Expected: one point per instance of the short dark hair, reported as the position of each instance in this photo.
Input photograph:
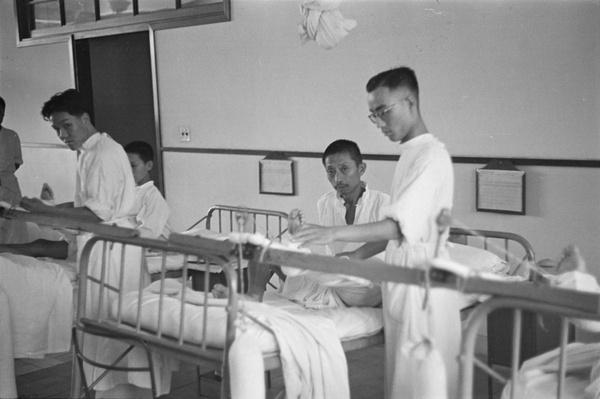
(343, 146)
(69, 101)
(141, 148)
(2, 103)
(394, 79)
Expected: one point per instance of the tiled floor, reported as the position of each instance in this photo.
(50, 378)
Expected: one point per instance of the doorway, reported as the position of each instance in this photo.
(115, 74)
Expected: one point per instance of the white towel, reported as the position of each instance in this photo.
(324, 23)
(313, 361)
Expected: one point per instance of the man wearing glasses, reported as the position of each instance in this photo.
(422, 187)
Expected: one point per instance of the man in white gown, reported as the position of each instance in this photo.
(422, 187)
(105, 192)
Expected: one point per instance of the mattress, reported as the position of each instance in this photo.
(350, 323)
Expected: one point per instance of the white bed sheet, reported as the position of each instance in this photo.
(36, 311)
(350, 323)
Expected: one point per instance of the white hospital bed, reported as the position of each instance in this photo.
(541, 300)
(36, 300)
(162, 326)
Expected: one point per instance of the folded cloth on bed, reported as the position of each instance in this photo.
(314, 289)
(322, 290)
(313, 361)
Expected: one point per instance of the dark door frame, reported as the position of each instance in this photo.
(83, 82)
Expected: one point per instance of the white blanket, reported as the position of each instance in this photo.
(308, 341)
(36, 312)
(40, 297)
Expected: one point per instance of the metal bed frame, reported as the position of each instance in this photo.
(530, 296)
(224, 219)
(209, 251)
(575, 304)
(225, 253)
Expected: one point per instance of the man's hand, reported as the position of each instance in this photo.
(308, 234)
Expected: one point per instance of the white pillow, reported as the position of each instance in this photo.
(477, 259)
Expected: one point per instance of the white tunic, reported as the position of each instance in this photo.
(151, 212)
(332, 212)
(422, 186)
(318, 290)
(106, 186)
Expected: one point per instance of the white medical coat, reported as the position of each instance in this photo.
(422, 186)
(106, 186)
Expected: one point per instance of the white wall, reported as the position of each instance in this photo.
(28, 77)
(498, 78)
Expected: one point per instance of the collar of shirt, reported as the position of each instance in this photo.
(91, 142)
(339, 202)
(417, 141)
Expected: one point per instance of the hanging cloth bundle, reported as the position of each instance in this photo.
(324, 23)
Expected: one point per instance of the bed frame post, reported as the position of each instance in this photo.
(259, 274)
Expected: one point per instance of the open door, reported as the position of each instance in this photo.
(115, 73)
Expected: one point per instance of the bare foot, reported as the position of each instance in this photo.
(571, 261)
(295, 219)
(219, 291)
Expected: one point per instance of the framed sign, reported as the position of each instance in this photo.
(276, 175)
(500, 188)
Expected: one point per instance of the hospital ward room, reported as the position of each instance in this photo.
(311, 199)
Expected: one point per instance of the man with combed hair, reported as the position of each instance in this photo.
(104, 192)
(422, 187)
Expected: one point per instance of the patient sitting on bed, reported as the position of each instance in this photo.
(538, 376)
(351, 202)
(150, 210)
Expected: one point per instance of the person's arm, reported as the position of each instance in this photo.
(39, 248)
(36, 205)
(383, 230)
(366, 250)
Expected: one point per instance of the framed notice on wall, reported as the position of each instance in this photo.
(276, 175)
(500, 188)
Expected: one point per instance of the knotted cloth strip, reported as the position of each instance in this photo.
(323, 23)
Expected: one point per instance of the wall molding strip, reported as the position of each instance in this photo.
(576, 163)
(44, 145)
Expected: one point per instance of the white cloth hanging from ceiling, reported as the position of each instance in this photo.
(324, 23)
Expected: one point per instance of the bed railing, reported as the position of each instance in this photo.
(103, 285)
(511, 247)
(225, 219)
(224, 254)
(74, 225)
(573, 304)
